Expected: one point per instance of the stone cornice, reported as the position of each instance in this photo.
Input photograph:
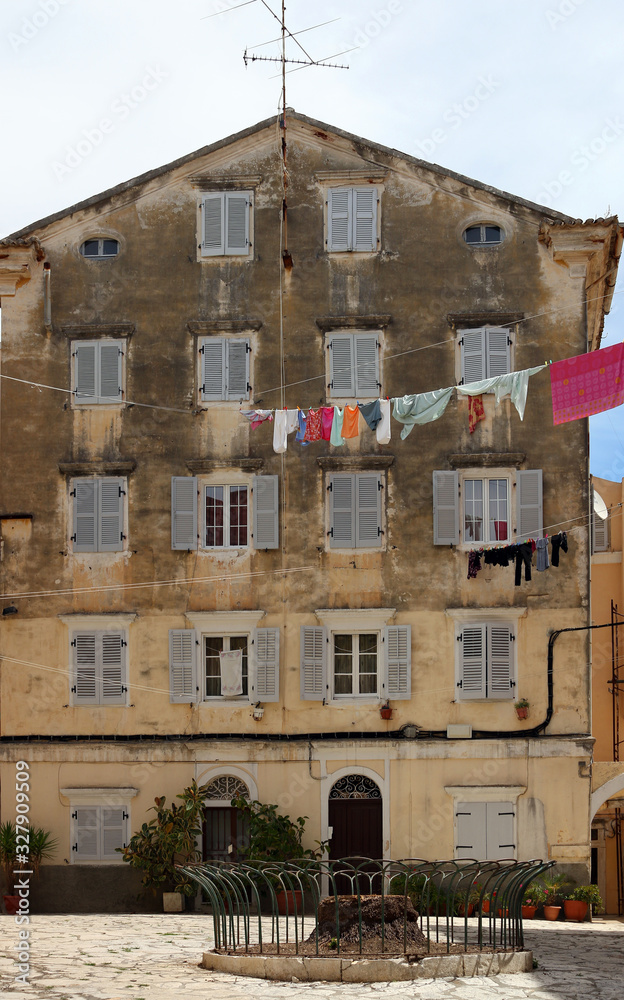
(487, 460)
(17, 261)
(202, 465)
(119, 467)
(354, 463)
(87, 331)
(205, 328)
(375, 321)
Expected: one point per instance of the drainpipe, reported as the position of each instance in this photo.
(47, 297)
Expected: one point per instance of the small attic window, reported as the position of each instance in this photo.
(483, 235)
(98, 249)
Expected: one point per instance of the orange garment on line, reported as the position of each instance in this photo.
(351, 422)
(476, 412)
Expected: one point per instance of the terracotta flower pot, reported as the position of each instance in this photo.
(386, 713)
(286, 902)
(522, 713)
(551, 912)
(485, 906)
(528, 912)
(575, 909)
(11, 904)
(461, 910)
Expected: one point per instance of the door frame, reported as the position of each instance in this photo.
(329, 780)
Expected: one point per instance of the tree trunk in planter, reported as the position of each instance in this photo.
(173, 902)
(288, 900)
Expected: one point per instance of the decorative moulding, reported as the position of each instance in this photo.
(487, 460)
(16, 262)
(224, 621)
(357, 463)
(203, 465)
(485, 793)
(468, 615)
(375, 175)
(114, 620)
(88, 331)
(376, 321)
(108, 795)
(466, 320)
(21, 517)
(205, 328)
(354, 618)
(119, 468)
(225, 182)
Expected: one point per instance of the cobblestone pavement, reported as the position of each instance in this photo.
(155, 957)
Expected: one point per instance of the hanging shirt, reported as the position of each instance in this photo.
(371, 413)
(351, 422)
(476, 412)
(280, 432)
(542, 554)
(383, 431)
(313, 426)
(421, 408)
(301, 417)
(336, 437)
(327, 419)
(231, 673)
(257, 417)
(292, 421)
(515, 384)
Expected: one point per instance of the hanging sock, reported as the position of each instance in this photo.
(421, 408)
(336, 437)
(371, 413)
(351, 422)
(515, 384)
(301, 417)
(384, 430)
(327, 419)
(476, 412)
(313, 426)
(280, 432)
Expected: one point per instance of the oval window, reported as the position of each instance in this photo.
(100, 248)
(483, 235)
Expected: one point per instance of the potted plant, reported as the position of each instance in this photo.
(41, 845)
(554, 888)
(522, 708)
(167, 841)
(532, 899)
(576, 905)
(386, 711)
(8, 859)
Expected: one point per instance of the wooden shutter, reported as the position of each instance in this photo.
(342, 511)
(110, 515)
(237, 223)
(472, 659)
(499, 661)
(338, 219)
(183, 512)
(367, 510)
(313, 663)
(113, 667)
(500, 830)
(470, 826)
(445, 508)
(85, 835)
(342, 366)
(364, 218)
(85, 686)
(114, 830)
(213, 236)
(85, 515)
(110, 357)
(473, 357)
(366, 365)
(237, 369)
(497, 350)
(600, 533)
(266, 683)
(213, 362)
(266, 512)
(398, 661)
(182, 666)
(85, 364)
(529, 504)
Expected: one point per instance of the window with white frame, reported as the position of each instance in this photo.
(224, 519)
(485, 664)
(97, 367)
(355, 663)
(355, 510)
(98, 514)
(224, 368)
(473, 508)
(99, 248)
(352, 219)
(485, 831)
(99, 671)
(353, 362)
(225, 223)
(483, 235)
(486, 510)
(484, 353)
(214, 647)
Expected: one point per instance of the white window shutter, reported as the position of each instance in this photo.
(110, 514)
(109, 389)
(113, 665)
(339, 202)
(529, 504)
(213, 221)
(85, 681)
(500, 831)
(182, 666)
(266, 683)
(85, 519)
(445, 508)
(472, 659)
(266, 512)
(473, 357)
(470, 825)
(183, 512)
(367, 511)
(85, 833)
(342, 511)
(366, 365)
(342, 366)
(114, 831)
(365, 218)
(600, 532)
(85, 369)
(398, 661)
(236, 223)
(237, 369)
(313, 663)
(213, 364)
(499, 661)
(498, 355)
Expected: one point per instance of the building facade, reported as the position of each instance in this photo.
(156, 546)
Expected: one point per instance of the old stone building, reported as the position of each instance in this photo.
(148, 530)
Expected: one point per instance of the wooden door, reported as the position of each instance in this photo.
(357, 833)
(224, 833)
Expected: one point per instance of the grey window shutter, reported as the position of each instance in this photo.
(398, 661)
(213, 236)
(445, 508)
(111, 353)
(86, 830)
(600, 531)
(237, 223)
(113, 667)
(183, 512)
(472, 653)
(114, 830)
(473, 357)
(85, 680)
(499, 661)
(110, 515)
(341, 366)
(266, 512)
(365, 218)
(85, 515)
(338, 219)
(213, 364)
(470, 827)
(500, 831)
(182, 670)
(367, 511)
(366, 365)
(529, 504)
(266, 683)
(498, 356)
(313, 663)
(342, 511)
(237, 369)
(85, 368)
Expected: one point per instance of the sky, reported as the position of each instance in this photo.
(526, 96)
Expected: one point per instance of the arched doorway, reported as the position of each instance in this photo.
(355, 815)
(224, 831)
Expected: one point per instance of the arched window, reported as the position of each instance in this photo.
(483, 235)
(355, 786)
(100, 248)
(226, 788)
